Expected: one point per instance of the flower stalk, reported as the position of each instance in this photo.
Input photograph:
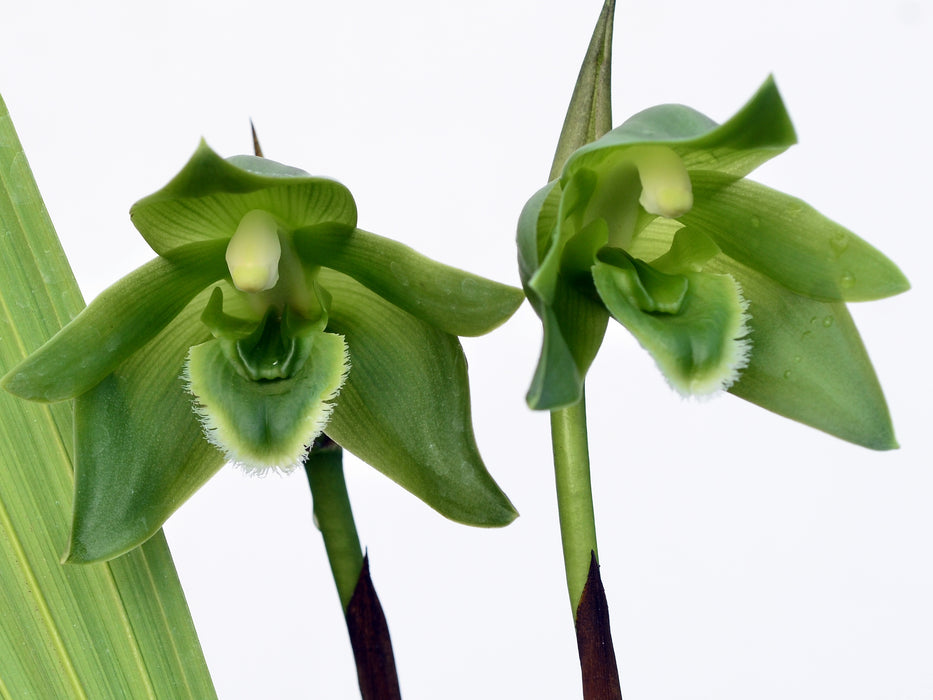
(589, 116)
(333, 515)
(366, 622)
(574, 496)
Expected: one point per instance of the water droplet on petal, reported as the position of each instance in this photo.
(839, 242)
(847, 281)
(788, 374)
(828, 321)
(756, 221)
(797, 358)
(806, 334)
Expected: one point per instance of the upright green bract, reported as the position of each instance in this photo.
(727, 283)
(267, 316)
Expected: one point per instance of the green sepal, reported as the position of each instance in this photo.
(269, 423)
(536, 229)
(809, 364)
(574, 320)
(454, 301)
(563, 223)
(760, 130)
(209, 197)
(574, 326)
(405, 408)
(789, 241)
(116, 324)
(140, 452)
(700, 348)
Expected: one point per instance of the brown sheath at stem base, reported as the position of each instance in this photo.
(594, 641)
(369, 637)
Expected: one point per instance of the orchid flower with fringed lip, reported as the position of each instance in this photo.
(727, 283)
(267, 316)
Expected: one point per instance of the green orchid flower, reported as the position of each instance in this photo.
(266, 317)
(727, 283)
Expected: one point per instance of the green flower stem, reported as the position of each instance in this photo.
(574, 495)
(334, 518)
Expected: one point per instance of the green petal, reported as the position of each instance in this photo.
(700, 348)
(808, 363)
(405, 408)
(116, 324)
(535, 229)
(784, 238)
(140, 452)
(209, 197)
(454, 301)
(574, 320)
(757, 132)
(264, 425)
(540, 244)
(574, 326)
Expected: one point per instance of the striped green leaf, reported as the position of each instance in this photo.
(119, 629)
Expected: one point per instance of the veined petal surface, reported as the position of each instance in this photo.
(454, 301)
(140, 452)
(405, 408)
(210, 196)
(759, 131)
(116, 324)
(789, 241)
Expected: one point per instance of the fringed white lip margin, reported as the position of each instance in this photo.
(226, 404)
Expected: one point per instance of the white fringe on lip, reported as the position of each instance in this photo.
(735, 358)
(314, 422)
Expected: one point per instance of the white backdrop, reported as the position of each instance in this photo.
(744, 556)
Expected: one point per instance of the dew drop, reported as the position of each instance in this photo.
(806, 334)
(828, 321)
(847, 281)
(813, 319)
(839, 242)
(797, 358)
(787, 374)
(756, 222)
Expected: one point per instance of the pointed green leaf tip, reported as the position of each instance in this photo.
(718, 277)
(224, 348)
(589, 115)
